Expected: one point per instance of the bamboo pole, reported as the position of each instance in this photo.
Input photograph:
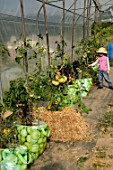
(73, 33)
(95, 14)
(84, 21)
(87, 1)
(62, 33)
(88, 16)
(37, 20)
(47, 32)
(1, 90)
(25, 58)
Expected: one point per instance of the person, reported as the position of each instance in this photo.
(104, 67)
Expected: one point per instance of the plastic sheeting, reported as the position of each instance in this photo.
(10, 16)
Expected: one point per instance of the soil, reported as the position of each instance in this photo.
(94, 152)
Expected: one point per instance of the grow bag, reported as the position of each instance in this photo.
(72, 93)
(13, 158)
(83, 85)
(67, 101)
(34, 138)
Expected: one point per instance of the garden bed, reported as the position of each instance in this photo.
(66, 125)
(94, 154)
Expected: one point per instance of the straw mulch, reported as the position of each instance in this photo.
(66, 125)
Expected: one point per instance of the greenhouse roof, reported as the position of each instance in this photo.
(84, 14)
(10, 10)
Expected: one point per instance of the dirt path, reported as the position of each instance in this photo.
(96, 154)
(98, 100)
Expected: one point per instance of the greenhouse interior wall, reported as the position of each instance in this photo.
(11, 28)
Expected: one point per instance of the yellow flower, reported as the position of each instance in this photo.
(48, 107)
(59, 99)
(67, 108)
(34, 108)
(56, 103)
(5, 131)
(8, 130)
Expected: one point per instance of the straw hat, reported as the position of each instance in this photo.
(102, 50)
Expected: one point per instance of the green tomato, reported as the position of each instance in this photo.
(54, 82)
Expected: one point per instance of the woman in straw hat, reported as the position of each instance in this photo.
(104, 67)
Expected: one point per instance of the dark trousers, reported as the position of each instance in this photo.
(103, 74)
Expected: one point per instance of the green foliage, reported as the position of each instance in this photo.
(16, 95)
(87, 55)
(87, 50)
(3, 50)
(33, 84)
(106, 122)
(56, 91)
(4, 55)
(103, 36)
(60, 96)
(104, 27)
(34, 50)
(80, 162)
(26, 92)
(111, 63)
(58, 51)
(8, 132)
(98, 165)
(83, 159)
(40, 85)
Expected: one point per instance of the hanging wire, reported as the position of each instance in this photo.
(16, 18)
(37, 19)
(71, 11)
(68, 10)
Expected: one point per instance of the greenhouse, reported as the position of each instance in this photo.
(56, 84)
